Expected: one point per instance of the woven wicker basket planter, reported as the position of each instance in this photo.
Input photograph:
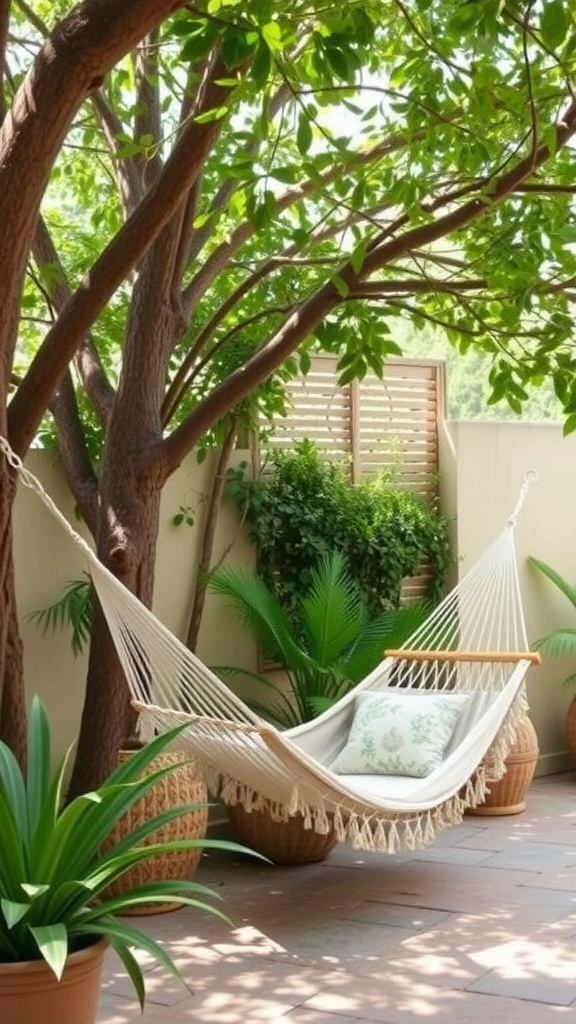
(508, 795)
(283, 842)
(181, 786)
(571, 728)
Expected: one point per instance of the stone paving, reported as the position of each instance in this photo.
(481, 925)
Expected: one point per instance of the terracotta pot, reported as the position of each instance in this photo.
(283, 842)
(181, 786)
(30, 992)
(508, 795)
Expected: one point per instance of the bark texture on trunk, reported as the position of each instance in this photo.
(127, 543)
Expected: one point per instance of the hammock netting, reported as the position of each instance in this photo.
(474, 642)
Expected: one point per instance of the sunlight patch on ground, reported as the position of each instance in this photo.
(522, 959)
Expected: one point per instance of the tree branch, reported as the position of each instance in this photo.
(80, 474)
(224, 252)
(69, 64)
(88, 364)
(147, 119)
(377, 289)
(114, 264)
(127, 175)
(301, 322)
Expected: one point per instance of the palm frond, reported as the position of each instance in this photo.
(73, 610)
(563, 586)
(333, 611)
(559, 644)
(391, 629)
(260, 612)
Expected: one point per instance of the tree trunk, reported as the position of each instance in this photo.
(13, 708)
(12, 703)
(133, 472)
(128, 530)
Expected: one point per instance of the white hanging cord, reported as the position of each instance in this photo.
(530, 477)
(33, 484)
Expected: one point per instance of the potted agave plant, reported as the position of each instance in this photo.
(56, 919)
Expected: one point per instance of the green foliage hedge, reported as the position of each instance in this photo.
(304, 505)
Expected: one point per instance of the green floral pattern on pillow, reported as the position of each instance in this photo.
(399, 733)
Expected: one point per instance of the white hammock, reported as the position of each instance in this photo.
(474, 642)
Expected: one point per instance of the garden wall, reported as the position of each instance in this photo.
(483, 480)
(482, 466)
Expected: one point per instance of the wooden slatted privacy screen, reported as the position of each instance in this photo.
(372, 424)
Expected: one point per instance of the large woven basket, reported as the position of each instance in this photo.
(283, 842)
(508, 795)
(181, 786)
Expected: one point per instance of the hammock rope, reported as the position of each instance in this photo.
(474, 642)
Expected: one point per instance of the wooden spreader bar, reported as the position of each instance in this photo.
(501, 656)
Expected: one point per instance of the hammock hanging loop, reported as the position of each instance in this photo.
(11, 458)
(530, 477)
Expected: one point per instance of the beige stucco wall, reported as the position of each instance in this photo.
(482, 466)
(46, 558)
(491, 460)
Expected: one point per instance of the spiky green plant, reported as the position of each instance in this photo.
(335, 643)
(73, 610)
(54, 872)
(561, 642)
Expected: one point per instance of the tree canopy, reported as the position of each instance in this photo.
(193, 196)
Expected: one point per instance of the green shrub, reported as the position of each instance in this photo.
(304, 506)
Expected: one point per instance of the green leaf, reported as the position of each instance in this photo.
(13, 911)
(272, 35)
(554, 23)
(216, 114)
(33, 891)
(262, 64)
(560, 644)
(304, 134)
(52, 942)
(551, 574)
(340, 285)
(132, 968)
(358, 256)
(569, 425)
(38, 765)
(15, 790)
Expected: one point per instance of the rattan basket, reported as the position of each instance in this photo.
(283, 842)
(181, 786)
(508, 795)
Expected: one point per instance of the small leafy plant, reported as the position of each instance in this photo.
(561, 642)
(53, 871)
(335, 643)
(303, 505)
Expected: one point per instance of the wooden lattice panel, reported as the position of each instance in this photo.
(320, 411)
(373, 424)
(390, 424)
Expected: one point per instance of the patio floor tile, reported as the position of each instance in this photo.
(482, 925)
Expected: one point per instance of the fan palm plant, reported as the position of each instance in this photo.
(334, 644)
(561, 642)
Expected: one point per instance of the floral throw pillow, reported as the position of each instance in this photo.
(399, 733)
